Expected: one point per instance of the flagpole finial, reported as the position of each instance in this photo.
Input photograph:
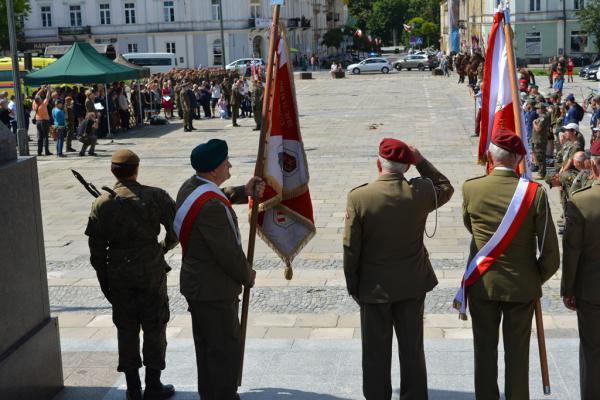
(288, 272)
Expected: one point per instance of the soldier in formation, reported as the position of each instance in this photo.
(129, 261)
(258, 94)
(387, 266)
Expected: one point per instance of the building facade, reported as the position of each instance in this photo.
(188, 28)
(543, 28)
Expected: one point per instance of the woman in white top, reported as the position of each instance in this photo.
(215, 94)
(333, 69)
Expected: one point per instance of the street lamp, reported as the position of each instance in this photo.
(222, 33)
(12, 33)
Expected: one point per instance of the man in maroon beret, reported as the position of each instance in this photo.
(387, 267)
(581, 276)
(512, 281)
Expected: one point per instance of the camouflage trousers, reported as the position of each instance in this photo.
(539, 151)
(145, 308)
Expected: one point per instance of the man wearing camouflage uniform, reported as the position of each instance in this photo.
(257, 103)
(129, 261)
(539, 138)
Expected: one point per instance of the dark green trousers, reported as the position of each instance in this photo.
(378, 321)
(588, 317)
(235, 113)
(216, 330)
(516, 320)
(145, 308)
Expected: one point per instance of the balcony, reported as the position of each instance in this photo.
(260, 23)
(74, 30)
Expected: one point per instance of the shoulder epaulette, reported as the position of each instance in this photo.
(364, 184)
(477, 177)
(580, 190)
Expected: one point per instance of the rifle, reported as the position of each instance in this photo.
(87, 185)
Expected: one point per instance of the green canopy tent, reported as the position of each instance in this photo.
(82, 64)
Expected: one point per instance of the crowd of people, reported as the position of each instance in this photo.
(70, 113)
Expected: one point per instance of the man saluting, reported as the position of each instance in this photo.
(214, 266)
(509, 218)
(387, 267)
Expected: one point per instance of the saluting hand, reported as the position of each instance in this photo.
(255, 183)
(417, 156)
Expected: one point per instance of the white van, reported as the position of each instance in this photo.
(157, 62)
(240, 65)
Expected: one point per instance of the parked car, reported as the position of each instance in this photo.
(592, 72)
(418, 61)
(585, 71)
(370, 65)
(240, 65)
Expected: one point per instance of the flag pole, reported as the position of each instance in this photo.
(539, 322)
(260, 161)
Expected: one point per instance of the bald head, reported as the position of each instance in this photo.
(579, 160)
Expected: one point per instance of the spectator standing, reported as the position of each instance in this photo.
(70, 122)
(12, 107)
(575, 112)
(58, 115)
(42, 120)
(215, 95)
(235, 102)
(167, 99)
(123, 104)
(5, 116)
(570, 68)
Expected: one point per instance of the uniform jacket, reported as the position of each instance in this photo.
(214, 267)
(517, 275)
(385, 259)
(123, 232)
(581, 258)
(236, 96)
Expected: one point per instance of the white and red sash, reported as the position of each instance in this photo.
(509, 226)
(187, 213)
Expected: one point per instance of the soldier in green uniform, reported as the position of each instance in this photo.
(123, 227)
(257, 103)
(387, 266)
(506, 293)
(186, 107)
(581, 276)
(235, 101)
(226, 90)
(539, 138)
(214, 267)
(582, 179)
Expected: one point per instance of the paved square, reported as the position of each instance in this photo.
(304, 333)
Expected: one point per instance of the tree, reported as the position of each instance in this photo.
(333, 37)
(429, 31)
(22, 9)
(589, 18)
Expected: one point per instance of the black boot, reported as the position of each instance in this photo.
(155, 390)
(134, 385)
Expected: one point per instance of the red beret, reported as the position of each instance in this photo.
(595, 150)
(395, 150)
(509, 141)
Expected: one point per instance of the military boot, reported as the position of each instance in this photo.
(134, 385)
(155, 390)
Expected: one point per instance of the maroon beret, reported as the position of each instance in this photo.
(509, 141)
(395, 150)
(595, 150)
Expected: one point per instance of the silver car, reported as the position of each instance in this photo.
(375, 64)
(418, 61)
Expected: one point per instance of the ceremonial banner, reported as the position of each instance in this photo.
(497, 102)
(285, 220)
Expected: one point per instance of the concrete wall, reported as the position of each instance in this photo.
(29, 338)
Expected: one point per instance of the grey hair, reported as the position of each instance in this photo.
(392, 166)
(580, 156)
(501, 155)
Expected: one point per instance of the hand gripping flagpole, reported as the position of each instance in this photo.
(260, 162)
(539, 323)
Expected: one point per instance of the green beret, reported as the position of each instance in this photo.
(208, 156)
(125, 157)
(540, 105)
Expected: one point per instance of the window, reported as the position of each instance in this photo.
(217, 52)
(533, 43)
(170, 47)
(534, 5)
(104, 14)
(578, 4)
(129, 13)
(254, 8)
(169, 11)
(75, 13)
(216, 11)
(155, 62)
(132, 48)
(579, 41)
(46, 16)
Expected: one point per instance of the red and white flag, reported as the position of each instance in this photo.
(497, 102)
(358, 33)
(285, 220)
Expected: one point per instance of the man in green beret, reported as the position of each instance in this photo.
(129, 261)
(214, 267)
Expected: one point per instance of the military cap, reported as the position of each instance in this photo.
(395, 150)
(595, 150)
(208, 156)
(125, 157)
(540, 105)
(531, 101)
(509, 141)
